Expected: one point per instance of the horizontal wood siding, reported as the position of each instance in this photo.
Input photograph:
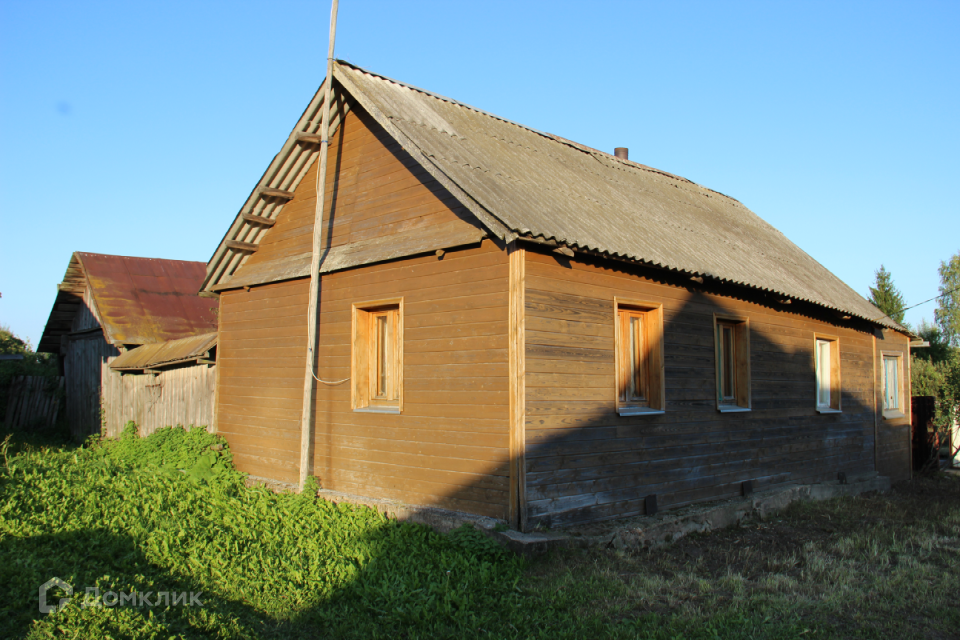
(374, 189)
(893, 440)
(449, 446)
(177, 396)
(584, 462)
(260, 356)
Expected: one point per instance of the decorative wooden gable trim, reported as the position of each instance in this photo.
(274, 190)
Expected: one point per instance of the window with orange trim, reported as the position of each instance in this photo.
(732, 342)
(378, 357)
(639, 348)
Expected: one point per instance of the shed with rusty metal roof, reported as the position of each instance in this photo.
(107, 305)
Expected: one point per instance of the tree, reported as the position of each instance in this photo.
(935, 370)
(947, 314)
(886, 297)
(11, 344)
(939, 349)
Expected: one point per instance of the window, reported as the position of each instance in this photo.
(892, 381)
(732, 338)
(639, 365)
(827, 365)
(378, 356)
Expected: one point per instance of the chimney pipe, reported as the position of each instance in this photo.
(621, 152)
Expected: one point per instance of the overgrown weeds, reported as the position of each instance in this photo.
(169, 514)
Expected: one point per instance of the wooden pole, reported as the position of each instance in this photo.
(309, 381)
(517, 389)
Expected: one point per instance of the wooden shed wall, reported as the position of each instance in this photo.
(177, 396)
(449, 447)
(87, 317)
(84, 358)
(893, 441)
(584, 462)
(261, 355)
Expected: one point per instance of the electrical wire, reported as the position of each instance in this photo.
(330, 383)
(945, 293)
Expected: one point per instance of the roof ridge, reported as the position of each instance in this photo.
(113, 255)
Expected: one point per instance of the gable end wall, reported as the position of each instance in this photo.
(449, 447)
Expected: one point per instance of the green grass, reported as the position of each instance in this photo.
(169, 513)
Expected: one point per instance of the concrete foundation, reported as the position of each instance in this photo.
(641, 532)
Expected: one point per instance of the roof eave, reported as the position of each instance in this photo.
(878, 321)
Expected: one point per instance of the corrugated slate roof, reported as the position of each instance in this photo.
(520, 182)
(540, 185)
(166, 353)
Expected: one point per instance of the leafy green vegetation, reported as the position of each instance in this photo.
(947, 314)
(168, 513)
(11, 344)
(32, 364)
(935, 370)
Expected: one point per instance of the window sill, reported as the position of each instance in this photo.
(395, 410)
(893, 415)
(640, 411)
(732, 409)
(828, 410)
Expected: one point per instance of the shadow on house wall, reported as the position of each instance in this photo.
(585, 462)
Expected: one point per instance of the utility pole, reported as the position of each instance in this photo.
(310, 378)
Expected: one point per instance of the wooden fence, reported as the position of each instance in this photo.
(33, 401)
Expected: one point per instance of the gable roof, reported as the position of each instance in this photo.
(135, 300)
(520, 182)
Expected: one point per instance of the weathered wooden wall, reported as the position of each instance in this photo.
(893, 442)
(449, 447)
(584, 462)
(261, 353)
(176, 396)
(87, 316)
(85, 356)
(373, 188)
(33, 401)
(84, 351)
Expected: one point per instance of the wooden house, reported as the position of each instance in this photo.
(111, 305)
(516, 325)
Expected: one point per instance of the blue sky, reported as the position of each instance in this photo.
(140, 128)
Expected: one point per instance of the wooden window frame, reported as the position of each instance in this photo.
(898, 412)
(652, 400)
(363, 356)
(834, 372)
(740, 363)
